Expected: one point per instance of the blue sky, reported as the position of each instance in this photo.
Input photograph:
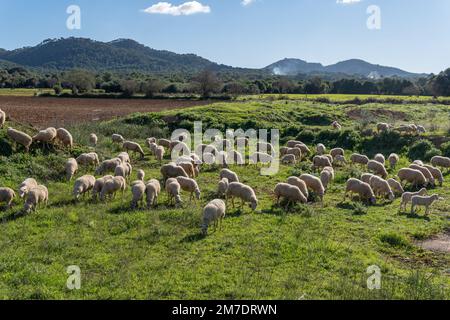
(414, 34)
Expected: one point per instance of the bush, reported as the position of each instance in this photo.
(349, 139)
(446, 149)
(306, 136)
(432, 153)
(419, 150)
(359, 209)
(394, 240)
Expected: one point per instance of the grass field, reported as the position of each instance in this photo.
(310, 251)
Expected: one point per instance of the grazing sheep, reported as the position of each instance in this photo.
(123, 170)
(288, 159)
(46, 136)
(182, 159)
(243, 192)
(153, 147)
(159, 153)
(112, 186)
(407, 196)
(134, 147)
(336, 125)
(380, 158)
(299, 183)
(408, 128)
(415, 177)
(71, 168)
(396, 186)
(214, 212)
(383, 127)
(188, 168)
(138, 189)
(293, 143)
(365, 177)
(265, 147)
(393, 160)
(259, 157)
(181, 147)
(418, 162)
(209, 158)
(337, 152)
(443, 162)
(141, 175)
(320, 162)
(108, 166)
(326, 176)
(150, 141)
(235, 157)
(26, 186)
(164, 142)
(381, 188)
(377, 168)
(421, 129)
(321, 149)
(171, 170)
(222, 159)
(314, 184)
(437, 174)
(290, 192)
(7, 195)
(423, 201)
(124, 157)
(297, 152)
(173, 189)
(65, 137)
(230, 175)
(35, 197)
(284, 150)
(98, 186)
(117, 138)
(359, 159)
(83, 185)
(88, 159)
(152, 191)
(361, 188)
(223, 187)
(20, 137)
(425, 172)
(190, 185)
(93, 139)
(339, 160)
(2, 118)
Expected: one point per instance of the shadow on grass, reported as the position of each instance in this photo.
(410, 215)
(193, 238)
(13, 216)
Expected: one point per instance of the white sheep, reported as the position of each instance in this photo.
(359, 159)
(190, 185)
(297, 152)
(65, 137)
(214, 212)
(234, 157)
(243, 192)
(407, 196)
(134, 147)
(337, 152)
(290, 192)
(2, 118)
(230, 175)
(377, 168)
(443, 162)
(164, 142)
(88, 159)
(259, 157)
(46, 136)
(424, 201)
(425, 172)
(361, 188)
(188, 168)
(265, 147)
(414, 177)
(223, 187)
(38, 195)
(383, 127)
(7, 195)
(123, 170)
(171, 170)
(418, 162)
(393, 160)
(26, 186)
(141, 175)
(326, 176)
(93, 139)
(421, 129)
(299, 183)
(152, 191)
(321, 149)
(138, 189)
(396, 186)
(336, 125)
(159, 153)
(83, 185)
(437, 174)
(70, 167)
(124, 157)
(314, 184)
(381, 188)
(365, 177)
(288, 159)
(20, 137)
(380, 158)
(112, 186)
(108, 166)
(173, 190)
(117, 138)
(339, 160)
(293, 143)
(320, 162)
(99, 184)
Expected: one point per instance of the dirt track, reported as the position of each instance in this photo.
(44, 112)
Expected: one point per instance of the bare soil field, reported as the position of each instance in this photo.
(44, 112)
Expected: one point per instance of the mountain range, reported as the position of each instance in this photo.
(124, 55)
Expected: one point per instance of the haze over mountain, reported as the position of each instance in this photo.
(129, 55)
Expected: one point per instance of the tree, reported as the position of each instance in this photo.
(152, 87)
(207, 83)
(129, 88)
(80, 81)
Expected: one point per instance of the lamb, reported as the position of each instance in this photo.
(138, 189)
(299, 184)
(393, 160)
(124, 157)
(123, 170)
(46, 136)
(437, 174)
(365, 177)
(159, 153)
(173, 189)
(243, 192)
(93, 139)
(425, 172)
(141, 175)
(326, 176)
(108, 166)
(7, 195)
(288, 159)
(383, 127)
(290, 192)
(415, 177)
(150, 141)
(259, 157)
(88, 159)
(99, 184)
(188, 168)
(164, 142)
(83, 185)
(230, 175)
(423, 201)
(321, 149)
(2, 118)
(363, 189)
(65, 137)
(407, 196)
(381, 188)
(117, 138)
(337, 152)
(152, 191)
(190, 185)
(214, 212)
(320, 162)
(112, 186)
(223, 187)
(380, 158)
(313, 183)
(377, 168)
(396, 186)
(71, 167)
(152, 146)
(26, 186)
(171, 170)
(35, 197)
(20, 137)
(359, 159)
(443, 162)
(134, 147)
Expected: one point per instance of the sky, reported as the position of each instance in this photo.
(413, 35)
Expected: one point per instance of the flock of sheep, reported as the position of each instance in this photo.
(181, 175)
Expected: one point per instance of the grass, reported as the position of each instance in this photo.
(310, 251)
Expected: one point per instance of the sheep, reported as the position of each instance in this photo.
(83, 185)
(297, 152)
(421, 129)
(425, 172)
(235, 157)
(383, 127)
(265, 147)
(117, 138)
(124, 157)
(410, 129)
(230, 175)
(71, 167)
(363, 189)
(313, 183)
(423, 201)
(173, 189)
(259, 157)
(171, 170)
(396, 186)
(152, 146)
(339, 160)
(222, 187)
(284, 150)
(359, 159)
(365, 177)
(46, 136)
(415, 177)
(380, 158)
(134, 147)
(377, 168)
(320, 162)
(290, 192)
(393, 160)
(123, 170)
(93, 139)
(190, 185)
(337, 152)
(437, 174)
(159, 153)
(108, 166)
(243, 192)
(381, 188)
(418, 162)
(7, 195)
(293, 143)
(181, 147)
(407, 196)
(336, 125)
(295, 181)
(65, 137)
(150, 141)
(223, 144)
(35, 197)
(141, 175)
(138, 189)
(214, 212)
(98, 186)
(2, 118)
(288, 159)
(222, 159)
(182, 159)
(20, 137)
(326, 177)
(188, 168)
(164, 142)
(443, 162)
(152, 191)
(112, 186)
(26, 186)
(321, 149)
(88, 159)
(209, 158)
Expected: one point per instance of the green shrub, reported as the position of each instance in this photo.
(306, 136)
(446, 149)
(419, 150)
(394, 240)
(349, 139)
(432, 153)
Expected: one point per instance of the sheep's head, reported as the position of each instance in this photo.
(423, 191)
(23, 192)
(373, 200)
(254, 204)
(391, 196)
(197, 194)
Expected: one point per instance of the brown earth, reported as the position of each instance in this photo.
(42, 112)
(440, 243)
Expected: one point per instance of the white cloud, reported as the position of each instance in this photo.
(184, 9)
(347, 1)
(247, 2)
